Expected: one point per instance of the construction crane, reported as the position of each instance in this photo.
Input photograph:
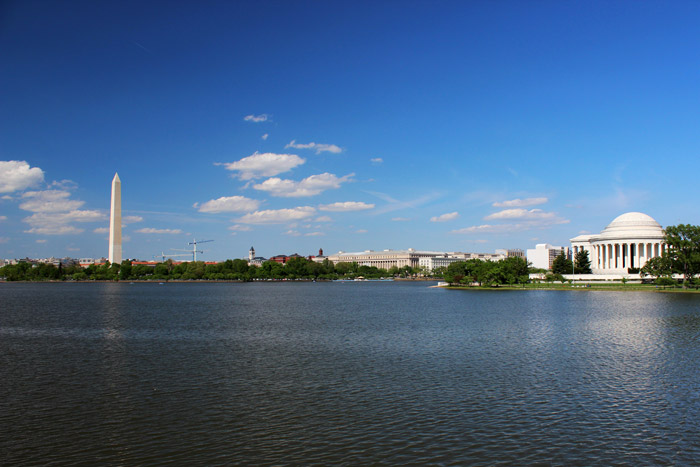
(163, 255)
(194, 249)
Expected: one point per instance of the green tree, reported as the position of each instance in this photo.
(438, 272)
(125, 270)
(328, 266)
(562, 264)
(344, 268)
(296, 267)
(240, 266)
(683, 242)
(454, 272)
(582, 263)
(658, 267)
(473, 270)
(313, 269)
(514, 270)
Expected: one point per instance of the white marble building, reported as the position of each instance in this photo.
(627, 242)
(384, 259)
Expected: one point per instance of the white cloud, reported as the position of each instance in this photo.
(101, 230)
(64, 184)
(319, 148)
(18, 175)
(400, 219)
(324, 219)
(150, 230)
(509, 228)
(445, 217)
(310, 186)
(314, 234)
(292, 233)
(346, 206)
(361, 231)
(229, 204)
(256, 118)
(55, 230)
(3, 218)
(277, 216)
(54, 212)
(49, 201)
(394, 204)
(486, 228)
(264, 137)
(240, 228)
(57, 223)
(519, 213)
(376, 160)
(520, 203)
(132, 219)
(43, 240)
(264, 165)
(528, 219)
(4, 239)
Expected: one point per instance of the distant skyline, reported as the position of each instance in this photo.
(294, 126)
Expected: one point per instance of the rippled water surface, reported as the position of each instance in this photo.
(346, 373)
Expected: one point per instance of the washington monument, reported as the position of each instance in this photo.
(115, 222)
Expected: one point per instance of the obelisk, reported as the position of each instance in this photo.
(115, 222)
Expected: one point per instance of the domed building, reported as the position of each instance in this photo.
(629, 241)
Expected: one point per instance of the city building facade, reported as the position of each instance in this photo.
(543, 255)
(384, 259)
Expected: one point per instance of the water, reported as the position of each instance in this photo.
(346, 373)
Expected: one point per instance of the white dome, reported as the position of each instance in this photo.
(633, 224)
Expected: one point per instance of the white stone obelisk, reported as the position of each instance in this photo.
(115, 222)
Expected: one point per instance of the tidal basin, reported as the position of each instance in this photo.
(346, 373)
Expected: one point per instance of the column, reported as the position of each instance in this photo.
(604, 257)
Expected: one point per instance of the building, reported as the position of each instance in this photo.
(629, 241)
(384, 259)
(543, 255)
(282, 259)
(444, 260)
(255, 260)
(511, 253)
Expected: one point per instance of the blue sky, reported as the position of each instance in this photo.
(291, 126)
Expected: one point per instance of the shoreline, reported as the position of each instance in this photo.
(582, 288)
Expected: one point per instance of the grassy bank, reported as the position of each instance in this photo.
(602, 286)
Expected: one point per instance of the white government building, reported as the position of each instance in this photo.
(429, 260)
(629, 241)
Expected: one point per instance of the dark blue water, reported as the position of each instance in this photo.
(346, 373)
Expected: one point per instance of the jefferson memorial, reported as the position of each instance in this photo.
(627, 242)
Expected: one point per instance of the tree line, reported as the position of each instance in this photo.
(507, 271)
(681, 256)
(236, 270)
